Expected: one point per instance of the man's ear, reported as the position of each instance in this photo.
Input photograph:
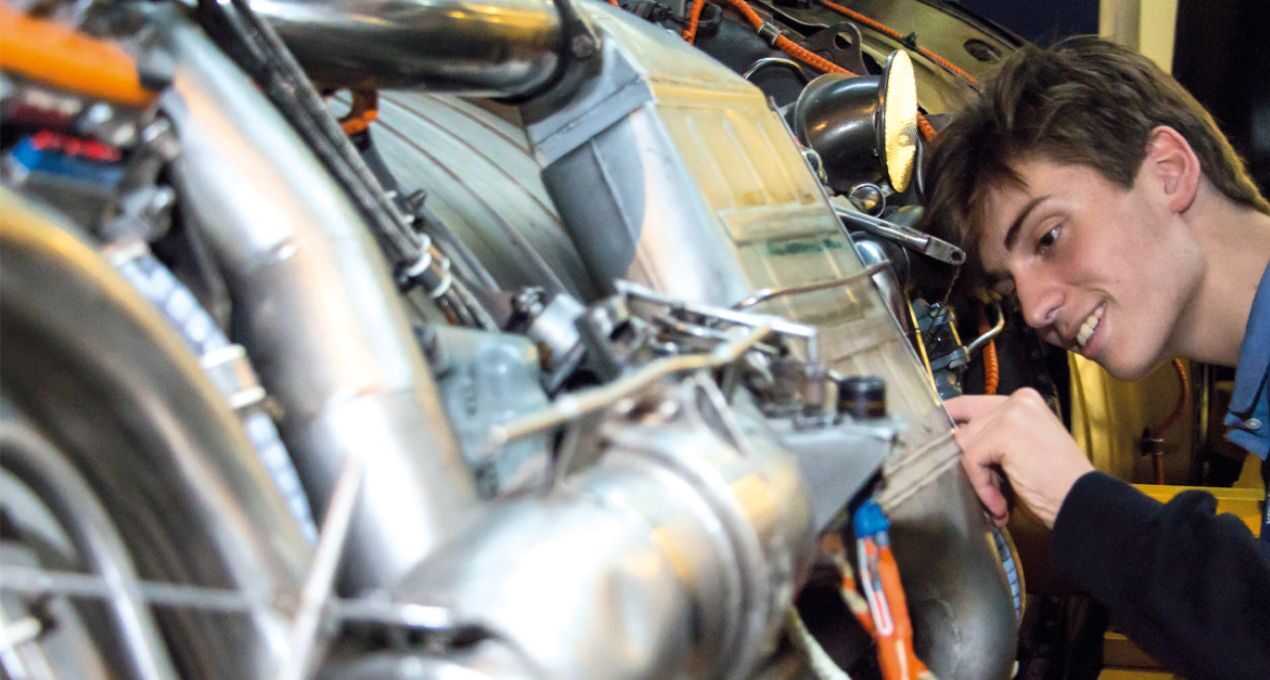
(1172, 163)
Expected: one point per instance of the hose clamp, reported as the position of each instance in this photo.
(769, 32)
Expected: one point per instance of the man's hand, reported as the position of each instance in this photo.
(1020, 436)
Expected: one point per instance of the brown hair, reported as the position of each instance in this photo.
(1084, 101)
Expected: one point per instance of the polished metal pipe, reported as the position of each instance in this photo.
(676, 555)
(482, 47)
(963, 614)
(318, 313)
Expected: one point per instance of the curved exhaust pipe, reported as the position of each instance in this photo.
(495, 48)
(318, 313)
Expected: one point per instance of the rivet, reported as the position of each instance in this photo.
(1253, 423)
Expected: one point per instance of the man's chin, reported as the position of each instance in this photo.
(1129, 371)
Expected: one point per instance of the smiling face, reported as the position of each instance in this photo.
(1100, 270)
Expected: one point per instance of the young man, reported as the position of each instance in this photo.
(1087, 183)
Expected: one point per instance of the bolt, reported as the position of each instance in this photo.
(583, 46)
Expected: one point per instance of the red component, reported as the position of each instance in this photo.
(88, 149)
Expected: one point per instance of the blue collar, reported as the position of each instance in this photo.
(1254, 354)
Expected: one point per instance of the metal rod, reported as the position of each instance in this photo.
(990, 334)
(908, 237)
(571, 406)
(808, 333)
(766, 294)
(317, 586)
(39, 465)
(36, 581)
(779, 325)
(19, 632)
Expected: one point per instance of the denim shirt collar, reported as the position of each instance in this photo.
(1254, 353)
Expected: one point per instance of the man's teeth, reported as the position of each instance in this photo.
(1091, 324)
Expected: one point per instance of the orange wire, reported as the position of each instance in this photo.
(1157, 432)
(694, 18)
(896, 36)
(65, 58)
(896, 655)
(810, 58)
(786, 45)
(1184, 385)
(991, 365)
(365, 110)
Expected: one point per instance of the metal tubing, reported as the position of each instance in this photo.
(676, 555)
(958, 596)
(317, 586)
(36, 462)
(319, 314)
(489, 47)
(571, 406)
(761, 296)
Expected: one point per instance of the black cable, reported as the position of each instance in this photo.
(258, 50)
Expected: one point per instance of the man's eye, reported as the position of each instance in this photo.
(1048, 239)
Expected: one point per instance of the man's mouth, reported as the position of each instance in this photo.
(1089, 326)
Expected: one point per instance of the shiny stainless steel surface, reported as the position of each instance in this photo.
(963, 614)
(674, 556)
(38, 464)
(888, 284)
(319, 315)
(487, 47)
(672, 171)
(134, 413)
(482, 181)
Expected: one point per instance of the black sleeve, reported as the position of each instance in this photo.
(1191, 588)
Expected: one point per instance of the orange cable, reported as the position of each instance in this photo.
(786, 45)
(896, 36)
(812, 59)
(1184, 385)
(991, 364)
(1157, 432)
(896, 655)
(65, 58)
(694, 18)
(365, 110)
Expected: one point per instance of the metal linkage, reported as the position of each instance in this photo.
(780, 326)
(572, 406)
(321, 577)
(761, 296)
(908, 237)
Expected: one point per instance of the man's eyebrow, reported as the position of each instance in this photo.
(1012, 234)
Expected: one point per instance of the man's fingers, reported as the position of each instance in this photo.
(985, 483)
(968, 408)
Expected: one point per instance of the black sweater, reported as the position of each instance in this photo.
(1191, 588)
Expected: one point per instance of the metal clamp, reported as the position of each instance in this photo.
(230, 370)
(769, 32)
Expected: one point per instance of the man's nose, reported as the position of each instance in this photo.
(1040, 299)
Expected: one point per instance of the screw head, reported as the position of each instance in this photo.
(583, 46)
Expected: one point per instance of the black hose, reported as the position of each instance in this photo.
(256, 48)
